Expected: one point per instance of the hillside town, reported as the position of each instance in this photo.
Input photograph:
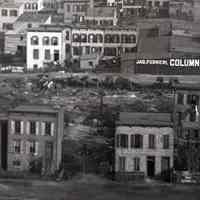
(99, 94)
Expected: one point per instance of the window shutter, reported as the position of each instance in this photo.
(36, 148)
(43, 128)
(28, 128)
(52, 129)
(22, 127)
(37, 128)
(11, 147)
(12, 127)
(27, 147)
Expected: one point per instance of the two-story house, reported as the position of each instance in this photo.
(143, 145)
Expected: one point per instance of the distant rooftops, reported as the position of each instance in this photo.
(62, 26)
(10, 5)
(40, 108)
(100, 12)
(145, 119)
(33, 17)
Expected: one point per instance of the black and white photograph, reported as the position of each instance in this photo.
(100, 99)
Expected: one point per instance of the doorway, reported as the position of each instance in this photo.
(56, 55)
(4, 144)
(48, 156)
(151, 166)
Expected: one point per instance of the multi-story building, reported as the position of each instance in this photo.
(44, 46)
(134, 8)
(9, 12)
(74, 41)
(15, 40)
(29, 133)
(37, 5)
(105, 16)
(144, 144)
(145, 8)
(74, 10)
(182, 10)
(187, 126)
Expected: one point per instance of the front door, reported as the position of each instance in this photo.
(48, 156)
(151, 166)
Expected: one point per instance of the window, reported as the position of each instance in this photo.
(34, 40)
(47, 54)
(17, 127)
(4, 12)
(68, 8)
(35, 66)
(29, 26)
(122, 140)
(180, 98)
(33, 127)
(16, 163)
(54, 41)
(179, 116)
(76, 38)
(110, 51)
(99, 38)
(122, 164)
(192, 116)
(7, 26)
(152, 144)
(92, 38)
(132, 39)
(165, 163)
(77, 51)
(157, 3)
(34, 6)
(33, 147)
(67, 35)
(136, 141)
(36, 54)
(165, 141)
(107, 38)
(166, 4)
(48, 128)
(13, 13)
(150, 3)
(46, 40)
(83, 38)
(136, 164)
(193, 99)
(17, 146)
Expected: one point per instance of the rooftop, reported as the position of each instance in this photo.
(59, 27)
(145, 119)
(42, 108)
(10, 5)
(100, 12)
(33, 17)
(187, 86)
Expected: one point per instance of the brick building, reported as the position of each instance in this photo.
(187, 126)
(144, 144)
(31, 132)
